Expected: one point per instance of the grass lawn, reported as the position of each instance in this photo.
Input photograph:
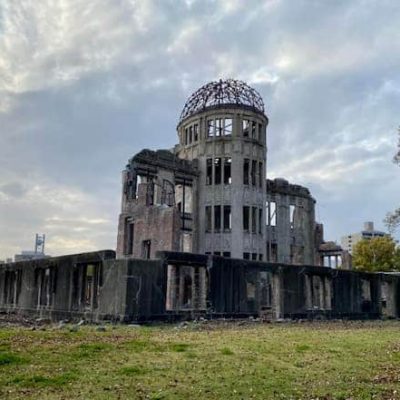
(340, 360)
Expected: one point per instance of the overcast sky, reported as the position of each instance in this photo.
(85, 84)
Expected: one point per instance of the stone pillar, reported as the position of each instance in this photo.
(321, 293)
(307, 283)
(328, 293)
(203, 288)
(171, 288)
(277, 298)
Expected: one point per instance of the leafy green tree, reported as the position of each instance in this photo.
(376, 254)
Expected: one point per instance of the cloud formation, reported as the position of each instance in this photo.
(86, 84)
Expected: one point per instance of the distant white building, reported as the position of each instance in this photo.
(27, 255)
(37, 254)
(348, 242)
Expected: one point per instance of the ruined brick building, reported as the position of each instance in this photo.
(203, 232)
(210, 195)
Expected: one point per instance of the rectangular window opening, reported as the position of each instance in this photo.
(217, 218)
(210, 128)
(271, 213)
(254, 130)
(226, 254)
(246, 171)
(208, 219)
(228, 127)
(219, 127)
(146, 249)
(130, 241)
(209, 170)
(228, 171)
(246, 218)
(245, 127)
(227, 218)
(292, 209)
(260, 220)
(190, 134)
(196, 132)
(246, 256)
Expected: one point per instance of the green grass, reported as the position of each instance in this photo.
(212, 361)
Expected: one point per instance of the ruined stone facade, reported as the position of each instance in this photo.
(203, 232)
(215, 183)
(157, 202)
(96, 286)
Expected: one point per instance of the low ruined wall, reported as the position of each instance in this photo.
(95, 286)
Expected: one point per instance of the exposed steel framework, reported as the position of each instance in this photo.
(222, 92)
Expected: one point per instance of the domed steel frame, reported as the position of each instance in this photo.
(222, 92)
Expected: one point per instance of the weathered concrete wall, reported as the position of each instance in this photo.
(158, 207)
(238, 288)
(95, 286)
(146, 290)
(237, 186)
(290, 223)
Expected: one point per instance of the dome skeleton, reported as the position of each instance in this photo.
(222, 92)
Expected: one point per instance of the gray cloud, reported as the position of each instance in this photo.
(86, 84)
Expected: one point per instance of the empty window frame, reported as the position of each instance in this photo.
(196, 132)
(146, 249)
(246, 171)
(246, 218)
(254, 130)
(253, 172)
(260, 174)
(245, 128)
(210, 128)
(45, 280)
(227, 170)
(217, 253)
(228, 127)
(271, 213)
(226, 254)
(260, 220)
(217, 218)
(227, 218)
(209, 171)
(254, 219)
(190, 134)
(130, 232)
(217, 170)
(254, 256)
(208, 219)
(260, 132)
(186, 138)
(246, 256)
(219, 127)
(292, 209)
(260, 257)
(90, 286)
(272, 252)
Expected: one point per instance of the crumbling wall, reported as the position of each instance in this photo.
(96, 286)
(158, 208)
(290, 223)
